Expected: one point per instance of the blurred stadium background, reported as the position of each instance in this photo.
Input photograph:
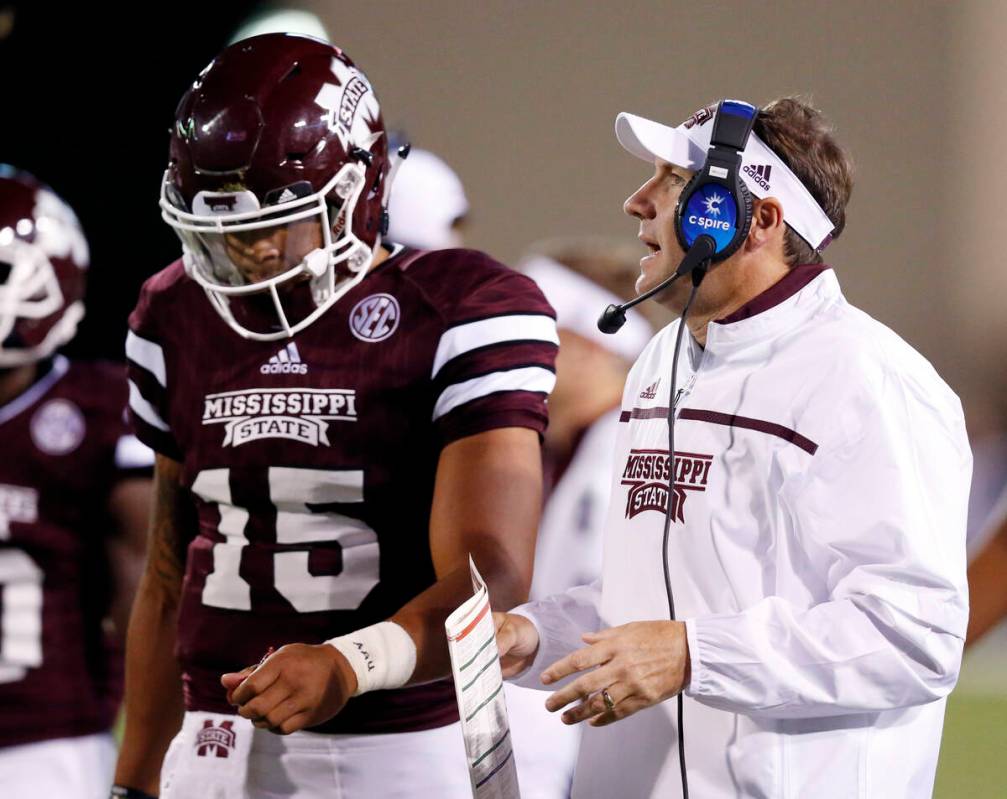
(520, 98)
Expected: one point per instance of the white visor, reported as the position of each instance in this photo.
(761, 169)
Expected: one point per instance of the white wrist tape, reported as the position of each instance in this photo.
(383, 656)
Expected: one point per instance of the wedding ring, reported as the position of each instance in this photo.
(609, 703)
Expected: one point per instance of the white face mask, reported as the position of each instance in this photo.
(233, 247)
(29, 289)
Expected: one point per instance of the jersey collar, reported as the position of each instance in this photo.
(36, 391)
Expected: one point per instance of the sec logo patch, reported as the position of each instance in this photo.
(57, 428)
(375, 318)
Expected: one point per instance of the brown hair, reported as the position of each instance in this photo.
(802, 138)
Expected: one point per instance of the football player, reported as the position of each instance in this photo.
(340, 422)
(74, 497)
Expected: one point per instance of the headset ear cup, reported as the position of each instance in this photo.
(683, 200)
(744, 218)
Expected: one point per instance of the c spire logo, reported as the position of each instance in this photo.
(712, 204)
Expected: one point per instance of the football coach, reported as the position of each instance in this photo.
(783, 600)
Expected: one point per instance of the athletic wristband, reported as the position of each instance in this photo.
(122, 792)
(383, 656)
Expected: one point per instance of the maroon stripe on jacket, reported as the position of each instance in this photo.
(770, 428)
(729, 420)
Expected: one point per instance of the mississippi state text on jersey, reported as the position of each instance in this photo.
(65, 443)
(312, 460)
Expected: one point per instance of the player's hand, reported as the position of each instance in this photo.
(296, 687)
(639, 664)
(517, 642)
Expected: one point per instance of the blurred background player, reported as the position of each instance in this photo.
(427, 206)
(591, 371)
(987, 581)
(339, 425)
(74, 486)
(578, 275)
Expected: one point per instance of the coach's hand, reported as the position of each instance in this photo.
(638, 664)
(517, 642)
(298, 686)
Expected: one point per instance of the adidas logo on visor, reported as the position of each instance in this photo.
(286, 362)
(760, 174)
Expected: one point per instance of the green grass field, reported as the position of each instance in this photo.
(973, 762)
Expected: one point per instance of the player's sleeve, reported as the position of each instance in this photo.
(881, 514)
(560, 620)
(148, 379)
(495, 361)
(130, 456)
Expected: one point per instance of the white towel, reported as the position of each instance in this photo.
(208, 758)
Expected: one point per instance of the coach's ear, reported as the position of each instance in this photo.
(768, 227)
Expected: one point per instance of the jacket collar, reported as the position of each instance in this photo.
(784, 305)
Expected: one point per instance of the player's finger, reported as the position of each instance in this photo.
(233, 679)
(580, 689)
(260, 706)
(285, 710)
(585, 658)
(296, 722)
(257, 682)
(499, 620)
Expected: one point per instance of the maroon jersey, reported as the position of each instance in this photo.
(312, 462)
(65, 443)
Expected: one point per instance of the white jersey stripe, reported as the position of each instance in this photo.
(148, 355)
(131, 453)
(144, 409)
(314, 486)
(529, 378)
(458, 340)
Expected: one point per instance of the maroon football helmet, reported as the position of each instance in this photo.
(277, 179)
(43, 262)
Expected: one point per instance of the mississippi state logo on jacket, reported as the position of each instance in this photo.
(646, 477)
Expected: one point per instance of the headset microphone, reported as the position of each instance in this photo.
(614, 316)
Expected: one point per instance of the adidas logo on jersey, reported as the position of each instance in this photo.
(650, 391)
(286, 362)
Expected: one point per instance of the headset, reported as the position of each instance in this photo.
(716, 202)
(714, 211)
(712, 220)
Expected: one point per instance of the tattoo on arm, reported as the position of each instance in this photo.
(170, 525)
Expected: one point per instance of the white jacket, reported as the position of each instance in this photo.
(818, 558)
